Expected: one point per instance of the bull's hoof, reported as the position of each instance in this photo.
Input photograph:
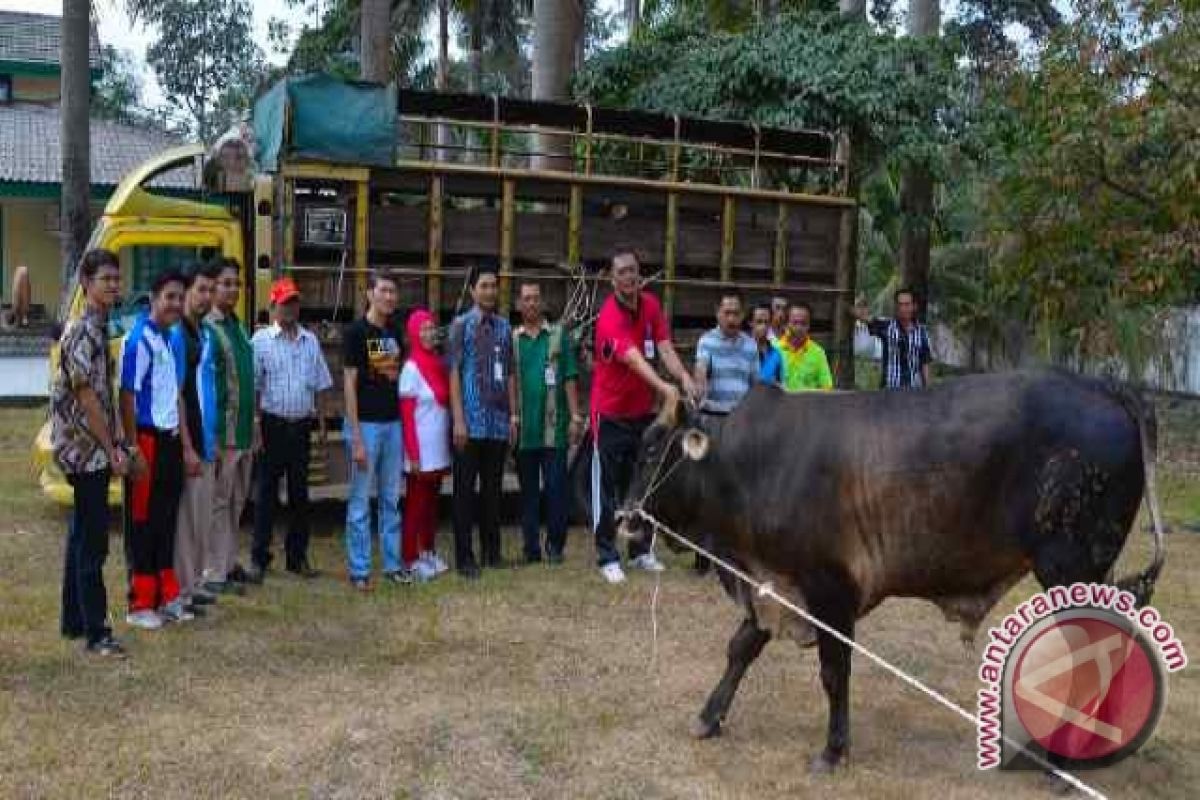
(702, 729)
(826, 762)
(1056, 785)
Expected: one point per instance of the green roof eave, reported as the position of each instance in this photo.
(35, 190)
(39, 69)
(46, 191)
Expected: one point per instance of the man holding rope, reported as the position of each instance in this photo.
(631, 335)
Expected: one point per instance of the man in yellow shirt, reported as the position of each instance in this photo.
(805, 367)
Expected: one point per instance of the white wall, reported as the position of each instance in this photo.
(25, 377)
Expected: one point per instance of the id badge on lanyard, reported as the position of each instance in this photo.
(551, 375)
(648, 344)
(497, 367)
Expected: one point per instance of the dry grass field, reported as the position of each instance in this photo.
(534, 682)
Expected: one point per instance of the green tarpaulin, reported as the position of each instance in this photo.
(321, 117)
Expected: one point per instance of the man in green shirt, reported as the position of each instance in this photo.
(235, 428)
(805, 367)
(550, 418)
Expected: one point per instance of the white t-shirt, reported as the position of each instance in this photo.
(433, 419)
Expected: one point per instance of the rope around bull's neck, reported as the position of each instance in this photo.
(767, 590)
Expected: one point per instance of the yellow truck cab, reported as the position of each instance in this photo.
(149, 232)
(426, 185)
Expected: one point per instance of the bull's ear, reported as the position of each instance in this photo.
(695, 444)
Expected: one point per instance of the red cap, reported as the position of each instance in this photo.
(284, 290)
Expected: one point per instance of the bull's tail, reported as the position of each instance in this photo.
(1142, 411)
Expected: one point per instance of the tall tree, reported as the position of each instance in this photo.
(76, 219)
(633, 17)
(375, 39)
(916, 187)
(204, 57)
(557, 32)
(118, 93)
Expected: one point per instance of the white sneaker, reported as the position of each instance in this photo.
(649, 562)
(146, 620)
(613, 573)
(175, 611)
(422, 571)
(439, 566)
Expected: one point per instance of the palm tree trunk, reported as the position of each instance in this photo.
(916, 187)
(75, 221)
(557, 29)
(853, 8)
(475, 73)
(441, 78)
(475, 49)
(375, 38)
(633, 17)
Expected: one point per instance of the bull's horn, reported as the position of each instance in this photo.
(695, 444)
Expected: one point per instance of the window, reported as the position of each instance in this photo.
(140, 265)
(6, 89)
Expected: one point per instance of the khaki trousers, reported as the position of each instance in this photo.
(229, 500)
(193, 528)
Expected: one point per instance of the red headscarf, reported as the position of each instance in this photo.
(430, 364)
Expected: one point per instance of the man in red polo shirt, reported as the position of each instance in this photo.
(631, 335)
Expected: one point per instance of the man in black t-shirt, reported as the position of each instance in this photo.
(372, 432)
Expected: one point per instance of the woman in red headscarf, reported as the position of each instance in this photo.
(425, 418)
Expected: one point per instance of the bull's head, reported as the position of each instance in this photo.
(665, 482)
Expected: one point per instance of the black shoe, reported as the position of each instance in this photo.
(304, 570)
(202, 597)
(255, 575)
(195, 610)
(361, 584)
(237, 574)
(554, 558)
(469, 572)
(224, 587)
(536, 558)
(108, 647)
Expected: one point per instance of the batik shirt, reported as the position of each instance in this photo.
(83, 361)
(481, 354)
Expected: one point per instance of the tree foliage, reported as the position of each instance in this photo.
(1092, 213)
(801, 70)
(205, 58)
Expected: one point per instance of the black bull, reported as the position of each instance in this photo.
(951, 495)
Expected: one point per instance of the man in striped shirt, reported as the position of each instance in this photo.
(727, 365)
(726, 359)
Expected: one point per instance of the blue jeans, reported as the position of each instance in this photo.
(385, 457)
(548, 465)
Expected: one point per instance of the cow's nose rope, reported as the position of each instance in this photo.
(765, 589)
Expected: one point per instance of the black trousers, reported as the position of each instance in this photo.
(84, 599)
(481, 459)
(616, 448)
(285, 454)
(543, 476)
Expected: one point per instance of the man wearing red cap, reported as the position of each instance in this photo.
(289, 370)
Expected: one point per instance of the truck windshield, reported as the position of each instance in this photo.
(140, 265)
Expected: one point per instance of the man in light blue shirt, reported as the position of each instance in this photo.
(726, 359)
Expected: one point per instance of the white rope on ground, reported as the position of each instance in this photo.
(767, 590)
